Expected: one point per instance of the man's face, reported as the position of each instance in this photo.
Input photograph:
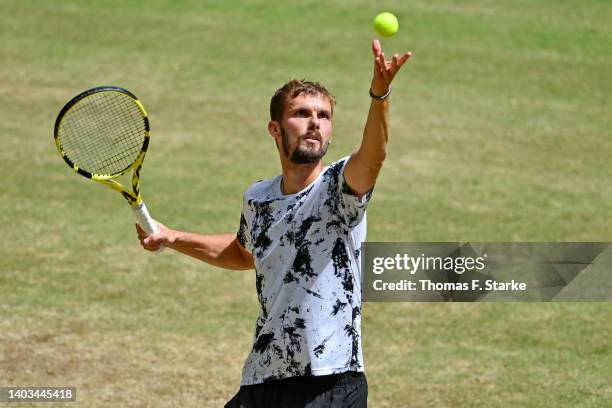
(306, 128)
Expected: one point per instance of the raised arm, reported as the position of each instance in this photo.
(364, 165)
(222, 250)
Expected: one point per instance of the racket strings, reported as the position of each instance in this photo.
(104, 142)
(103, 133)
(111, 123)
(89, 146)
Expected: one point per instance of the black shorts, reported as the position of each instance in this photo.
(346, 390)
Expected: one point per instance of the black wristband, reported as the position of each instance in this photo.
(380, 97)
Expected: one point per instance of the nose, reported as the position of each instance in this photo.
(314, 121)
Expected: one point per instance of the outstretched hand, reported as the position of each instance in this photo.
(385, 71)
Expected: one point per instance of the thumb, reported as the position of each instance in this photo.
(152, 239)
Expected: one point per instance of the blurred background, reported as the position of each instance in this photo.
(501, 131)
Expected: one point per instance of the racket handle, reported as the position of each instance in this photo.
(143, 218)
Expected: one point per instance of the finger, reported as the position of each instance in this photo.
(404, 58)
(387, 74)
(376, 47)
(381, 64)
(150, 240)
(141, 233)
(154, 247)
(145, 245)
(377, 65)
(393, 67)
(394, 62)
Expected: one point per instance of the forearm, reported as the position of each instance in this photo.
(373, 149)
(364, 165)
(219, 249)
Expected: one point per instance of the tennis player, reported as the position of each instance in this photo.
(302, 232)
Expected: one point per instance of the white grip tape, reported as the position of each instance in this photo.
(143, 218)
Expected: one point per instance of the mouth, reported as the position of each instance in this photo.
(312, 137)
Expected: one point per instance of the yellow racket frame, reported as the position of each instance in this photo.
(133, 197)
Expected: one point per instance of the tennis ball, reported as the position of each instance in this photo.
(386, 24)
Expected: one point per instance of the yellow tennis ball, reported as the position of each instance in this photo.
(386, 24)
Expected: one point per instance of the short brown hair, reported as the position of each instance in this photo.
(293, 89)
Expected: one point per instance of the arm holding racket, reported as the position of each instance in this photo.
(222, 250)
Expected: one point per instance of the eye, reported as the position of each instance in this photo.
(301, 113)
(324, 115)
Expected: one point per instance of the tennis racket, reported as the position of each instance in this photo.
(102, 134)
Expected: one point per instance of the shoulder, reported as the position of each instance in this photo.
(333, 171)
(262, 190)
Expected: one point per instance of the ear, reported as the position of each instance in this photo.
(274, 129)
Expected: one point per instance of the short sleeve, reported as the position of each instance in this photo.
(243, 235)
(352, 207)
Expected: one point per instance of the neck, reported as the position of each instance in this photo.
(297, 177)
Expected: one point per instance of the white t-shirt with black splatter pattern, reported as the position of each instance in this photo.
(306, 248)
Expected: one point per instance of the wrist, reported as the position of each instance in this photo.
(171, 238)
(379, 94)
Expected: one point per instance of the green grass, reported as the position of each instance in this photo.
(500, 132)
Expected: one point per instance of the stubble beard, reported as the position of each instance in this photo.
(301, 154)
